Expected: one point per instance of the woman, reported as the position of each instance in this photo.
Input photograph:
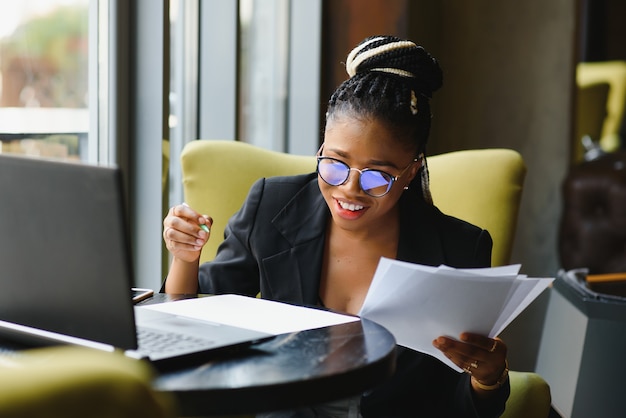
(317, 238)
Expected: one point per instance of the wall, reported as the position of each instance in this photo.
(508, 83)
(345, 24)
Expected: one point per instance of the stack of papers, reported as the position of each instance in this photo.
(419, 303)
(261, 315)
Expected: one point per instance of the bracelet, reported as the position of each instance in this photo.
(499, 382)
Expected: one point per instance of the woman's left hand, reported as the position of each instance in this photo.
(482, 357)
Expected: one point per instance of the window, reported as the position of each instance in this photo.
(279, 74)
(247, 71)
(183, 93)
(264, 59)
(74, 84)
(46, 92)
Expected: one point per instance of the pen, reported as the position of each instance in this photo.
(204, 227)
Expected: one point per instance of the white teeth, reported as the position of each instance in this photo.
(350, 206)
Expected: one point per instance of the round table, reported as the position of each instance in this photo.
(288, 371)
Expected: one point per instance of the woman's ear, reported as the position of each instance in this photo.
(415, 168)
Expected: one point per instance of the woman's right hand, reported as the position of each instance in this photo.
(183, 234)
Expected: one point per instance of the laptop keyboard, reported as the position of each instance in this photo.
(154, 341)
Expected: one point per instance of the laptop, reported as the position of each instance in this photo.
(66, 273)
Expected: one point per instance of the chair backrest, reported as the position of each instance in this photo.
(613, 73)
(482, 187)
(217, 175)
(591, 112)
(591, 231)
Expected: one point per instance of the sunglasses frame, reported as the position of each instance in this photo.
(393, 178)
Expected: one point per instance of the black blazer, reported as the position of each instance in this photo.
(275, 243)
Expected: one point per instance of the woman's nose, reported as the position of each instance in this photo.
(354, 180)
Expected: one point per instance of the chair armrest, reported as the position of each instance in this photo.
(530, 396)
(73, 382)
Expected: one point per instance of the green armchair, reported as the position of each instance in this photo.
(480, 186)
(70, 382)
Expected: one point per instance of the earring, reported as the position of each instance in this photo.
(406, 187)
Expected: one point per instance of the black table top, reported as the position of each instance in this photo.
(291, 370)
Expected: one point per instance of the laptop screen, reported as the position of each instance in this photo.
(64, 256)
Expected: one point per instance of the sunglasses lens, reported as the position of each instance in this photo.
(375, 183)
(333, 172)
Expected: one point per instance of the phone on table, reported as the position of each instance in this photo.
(139, 294)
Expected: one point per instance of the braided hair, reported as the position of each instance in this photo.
(391, 80)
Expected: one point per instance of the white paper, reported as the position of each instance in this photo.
(420, 303)
(253, 313)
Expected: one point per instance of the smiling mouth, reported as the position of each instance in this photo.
(350, 206)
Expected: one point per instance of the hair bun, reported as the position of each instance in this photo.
(392, 55)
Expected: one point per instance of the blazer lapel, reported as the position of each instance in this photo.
(302, 223)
